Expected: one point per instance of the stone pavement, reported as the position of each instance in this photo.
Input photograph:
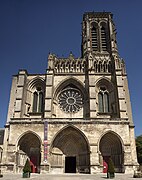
(67, 177)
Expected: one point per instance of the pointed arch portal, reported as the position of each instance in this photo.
(30, 145)
(70, 150)
(111, 146)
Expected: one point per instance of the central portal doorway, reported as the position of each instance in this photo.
(70, 164)
(70, 150)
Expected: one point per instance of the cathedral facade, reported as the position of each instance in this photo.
(77, 115)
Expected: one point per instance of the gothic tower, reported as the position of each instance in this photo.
(78, 114)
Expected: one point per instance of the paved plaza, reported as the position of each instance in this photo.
(67, 177)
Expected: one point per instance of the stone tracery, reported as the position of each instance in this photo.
(70, 100)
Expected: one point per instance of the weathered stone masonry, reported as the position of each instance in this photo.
(84, 104)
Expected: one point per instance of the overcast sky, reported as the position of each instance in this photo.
(30, 29)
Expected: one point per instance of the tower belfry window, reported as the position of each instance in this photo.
(103, 39)
(38, 100)
(94, 39)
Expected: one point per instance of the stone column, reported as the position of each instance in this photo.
(94, 159)
(120, 87)
(21, 80)
(128, 159)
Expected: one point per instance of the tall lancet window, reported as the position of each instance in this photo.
(103, 100)
(94, 38)
(35, 100)
(38, 100)
(103, 39)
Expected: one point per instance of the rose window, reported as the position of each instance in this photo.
(70, 100)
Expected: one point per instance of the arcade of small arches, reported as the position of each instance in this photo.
(101, 64)
(70, 151)
(70, 66)
(79, 66)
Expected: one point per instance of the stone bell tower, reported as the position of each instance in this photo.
(108, 84)
(98, 33)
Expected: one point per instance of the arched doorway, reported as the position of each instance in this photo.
(70, 150)
(111, 146)
(30, 145)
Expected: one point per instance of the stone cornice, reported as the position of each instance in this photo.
(69, 121)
